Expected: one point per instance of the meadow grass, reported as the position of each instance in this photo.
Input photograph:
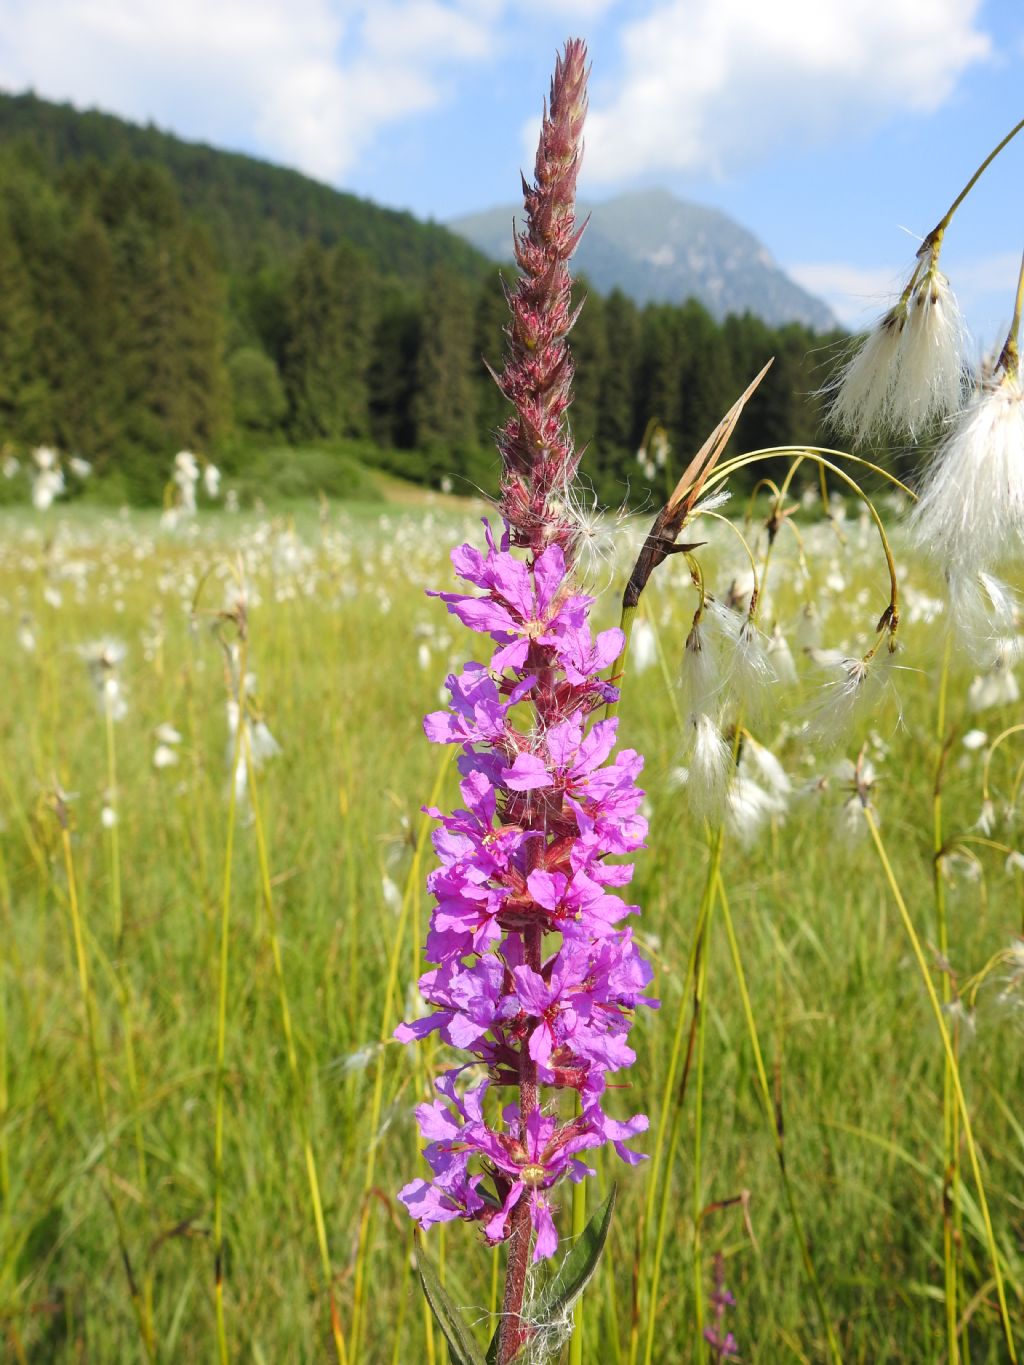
(111, 1163)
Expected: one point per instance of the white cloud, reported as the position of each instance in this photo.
(308, 82)
(984, 286)
(856, 294)
(708, 85)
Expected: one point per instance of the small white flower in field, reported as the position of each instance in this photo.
(231, 500)
(751, 674)
(103, 658)
(766, 767)
(165, 733)
(360, 1059)
(997, 687)
(856, 686)
(392, 895)
(47, 486)
(781, 657)
(909, 372)
(79, 467)
(423, 655)
(960, 865)
(1014, 862)
(108, 817)
(263, 744)
(859, 780)
(10, 466)
(984, 614)
(186, 464)
(962, 1019)
(211, 480)
(849, 823)
(748, 807)
(114, 702)
(643, 648)
(700, 678)
(164, 756)
(53, 597)
(808, 630)
(447, 485)
(975, 739)
(27, 635)
(711, 767)
(46, 458)
(970, 513)
(986, 821)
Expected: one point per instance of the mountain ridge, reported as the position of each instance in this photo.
(657, 248)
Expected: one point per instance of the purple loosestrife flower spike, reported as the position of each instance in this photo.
(536, 444)
(534, 971)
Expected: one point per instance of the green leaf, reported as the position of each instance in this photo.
(573, 1275)
(464, 1350)
(579, 1265)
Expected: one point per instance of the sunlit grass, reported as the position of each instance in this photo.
(348, 653)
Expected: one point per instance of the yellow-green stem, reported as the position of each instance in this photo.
(972, 1151)
(387, 1018)
(296, 1088)
(113, 834)
(950, 1162)
(766, 1095)
(142, 1318)
(222, 1022)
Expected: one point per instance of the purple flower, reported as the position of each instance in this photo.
(534, 979)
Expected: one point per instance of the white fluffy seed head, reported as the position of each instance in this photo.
(928, 382)
(853, 690)
(749, 807)
(700, 678)
(996, 687)
(983, 616)
(970, 513)
(766, 768)
(781, 657)
(710, 768)
(909, 372)
(859, 398)
(751, 674)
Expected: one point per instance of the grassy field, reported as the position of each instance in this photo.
(114, 897)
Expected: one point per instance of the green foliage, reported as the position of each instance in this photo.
(159, 296)
(334, 633)
(464, 1350)
(292, 473)
(257, 394)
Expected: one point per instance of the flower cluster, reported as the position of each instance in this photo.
(536, 975)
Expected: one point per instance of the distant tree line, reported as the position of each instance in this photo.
(125, 335)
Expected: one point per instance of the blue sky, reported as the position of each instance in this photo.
(837, 130)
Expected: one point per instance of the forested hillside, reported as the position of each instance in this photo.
(155, 294)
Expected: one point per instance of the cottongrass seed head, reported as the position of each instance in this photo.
(909, 372)
(970, 513)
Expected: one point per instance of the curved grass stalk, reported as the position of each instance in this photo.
(222, 1018)
(972, 1151)
(673, 1096)
(700, 1011)
(762, 1077)
(387, 1016)
(113, 833)
(950, 1135)
(142, 1315)
(301, 1118)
